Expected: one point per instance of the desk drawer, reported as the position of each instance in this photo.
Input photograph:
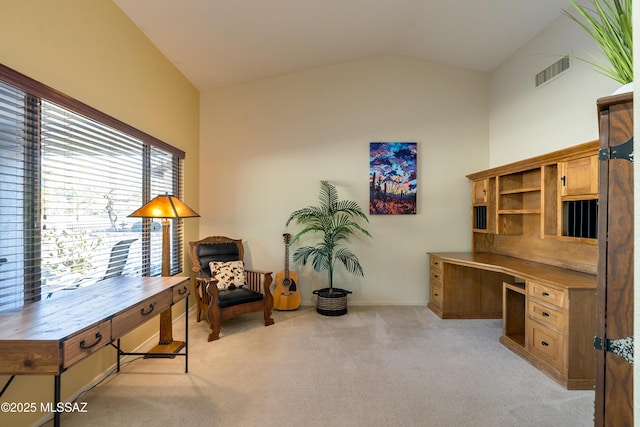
(436, 263)
(180, 291)
(84, 343)
(548, 317)
(547, 294)
(436, 295)
(140, 313)
(436, 277)
(546, 344)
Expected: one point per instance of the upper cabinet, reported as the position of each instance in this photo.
(578, 201)
(479, 190)
(579, 177)
(553, 196)
(483, 197)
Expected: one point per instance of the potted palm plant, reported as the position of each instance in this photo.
(609, 23)
(334, 222)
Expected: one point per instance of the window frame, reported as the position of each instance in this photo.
(34, 92)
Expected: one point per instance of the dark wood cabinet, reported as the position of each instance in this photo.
(614, 372)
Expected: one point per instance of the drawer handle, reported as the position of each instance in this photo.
(545, 314)
(544, 343)
(435, 295)
(84, 346)
(183, 291)
(436, 276)
(151, 306)
(545, 294)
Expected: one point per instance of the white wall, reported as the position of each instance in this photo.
(526, 121)
(266, 144)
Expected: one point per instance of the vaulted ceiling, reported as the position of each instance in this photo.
(220, 42)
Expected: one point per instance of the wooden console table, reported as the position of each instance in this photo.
(48, 337)
(548, 312)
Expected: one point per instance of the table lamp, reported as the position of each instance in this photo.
(166, 207)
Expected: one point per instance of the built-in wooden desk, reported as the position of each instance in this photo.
(47, 337)
(548, 312)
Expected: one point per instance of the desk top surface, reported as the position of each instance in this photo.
(520, 268)
(56, 319)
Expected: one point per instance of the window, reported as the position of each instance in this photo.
(69, 176)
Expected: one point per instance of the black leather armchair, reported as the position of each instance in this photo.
(227, 292)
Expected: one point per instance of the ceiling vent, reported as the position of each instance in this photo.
(552, 71)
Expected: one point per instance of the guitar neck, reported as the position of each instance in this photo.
(286, 261)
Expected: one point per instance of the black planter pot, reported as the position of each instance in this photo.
(332, 304)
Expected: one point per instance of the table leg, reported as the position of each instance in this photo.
(56, 400)
(186, 334)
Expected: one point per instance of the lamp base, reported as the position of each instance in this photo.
(165, 350)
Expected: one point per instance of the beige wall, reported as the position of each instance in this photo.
(266, 144)
(91, 51)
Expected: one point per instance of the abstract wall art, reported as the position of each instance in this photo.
(393, 178)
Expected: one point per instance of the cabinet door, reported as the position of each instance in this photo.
(480, 190)
(614, 374)
(579, 176)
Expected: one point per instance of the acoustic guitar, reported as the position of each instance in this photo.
(286, 295)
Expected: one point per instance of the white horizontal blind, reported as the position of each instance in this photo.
(68, 184)
(166, 178)
(91, 181)
(18, 194)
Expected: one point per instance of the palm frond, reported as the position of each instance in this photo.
(335, 221)
(350, 261)
(303, 215)
(320, 257)
(328, 196)
(610, 26)
(352, 208)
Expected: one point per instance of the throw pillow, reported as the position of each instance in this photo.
(229, 274)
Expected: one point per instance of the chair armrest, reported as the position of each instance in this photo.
(259, 280)
(205, 280)
(253, 270)
(210, 286)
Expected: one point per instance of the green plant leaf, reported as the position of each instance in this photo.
(609, 23)
(335, 222)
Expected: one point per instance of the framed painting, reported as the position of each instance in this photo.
(393, 178)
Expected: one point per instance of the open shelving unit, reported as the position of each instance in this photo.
(519, 195)
(531, 208)
(514, 315)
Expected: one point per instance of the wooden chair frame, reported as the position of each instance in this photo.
(206, 290)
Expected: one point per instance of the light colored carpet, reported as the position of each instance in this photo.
(375, 366)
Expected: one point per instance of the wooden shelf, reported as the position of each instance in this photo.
(516, 287)
(522, 210)
(517, 339)
(482, 230)
(521, 190)
(518, 211)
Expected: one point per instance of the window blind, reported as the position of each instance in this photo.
(68, 183)
(18, 197)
